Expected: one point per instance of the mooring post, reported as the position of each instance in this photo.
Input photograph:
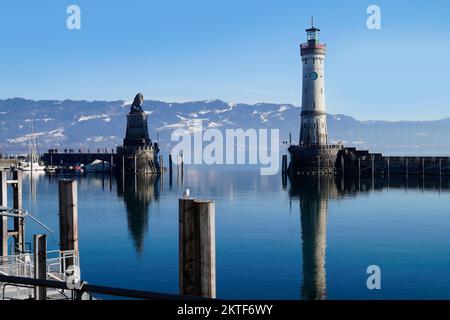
(182, 169)
(68, 218)
(170, 169)
(373, 166)
(111, 164)
(40, 265)
(197, 248)
(135, 164)
(389, 166)
(423, 167)
(123, 165)
(4, 219)
(284, 165)
(359, 168)
(343, 165)
(407, 167)
(318, 165)
(440, 167)
(19, 223)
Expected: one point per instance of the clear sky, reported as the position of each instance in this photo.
(235, 50)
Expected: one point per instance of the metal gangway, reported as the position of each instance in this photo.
(62, 266)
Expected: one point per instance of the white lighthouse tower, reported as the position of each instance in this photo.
(313, 154)
(313, 128)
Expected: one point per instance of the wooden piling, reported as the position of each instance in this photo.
(135, 164)
(423, 167)
(182, 169)
(318, 165)
(359, 168)
(19, 223)
(4, 219)
(170, 169)
(112, 164)
(68, 217)
(407, 167)
(40, 265)
(389, 166)
(197, 248)
(123, 165)
(284, 166)
(373, 166)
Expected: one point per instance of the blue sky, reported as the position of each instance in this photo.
(240, 51)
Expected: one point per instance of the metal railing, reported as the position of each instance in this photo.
(22, 266)
(61, 287)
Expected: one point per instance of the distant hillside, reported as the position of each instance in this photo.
(101, 124)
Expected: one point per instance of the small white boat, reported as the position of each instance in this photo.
(31, 166)
(98, 166)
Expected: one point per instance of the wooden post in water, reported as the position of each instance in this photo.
(4, 219)
(343, 165)
(389, 166)
(123, 165)
(373, 166)
(407, 171)
(284, 165)
(359, 168)
(19, 223)
(40, 265)
(318, 165)
(111, 164)
(440, 167)
(68, 217)
(170, 169)
(135, 164)
(423, 167)
(197, 248)
(182, 169)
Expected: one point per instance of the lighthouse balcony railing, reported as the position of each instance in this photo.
(319, 45)
(316, 146)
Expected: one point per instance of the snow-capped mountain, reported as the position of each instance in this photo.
(85, 125)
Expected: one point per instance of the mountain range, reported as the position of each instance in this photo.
(70, 124)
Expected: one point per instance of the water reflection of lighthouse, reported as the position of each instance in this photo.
(313, 193)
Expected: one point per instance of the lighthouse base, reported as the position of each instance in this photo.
(314, 159)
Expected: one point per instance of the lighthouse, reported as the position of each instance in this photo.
(313, 128)
(314, 154)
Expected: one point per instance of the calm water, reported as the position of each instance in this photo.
(309, 239)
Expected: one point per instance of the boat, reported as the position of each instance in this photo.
(98, 166)
(31, 166)
(32, 163)
(51, 169)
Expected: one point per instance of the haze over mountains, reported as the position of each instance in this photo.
(86, 125)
